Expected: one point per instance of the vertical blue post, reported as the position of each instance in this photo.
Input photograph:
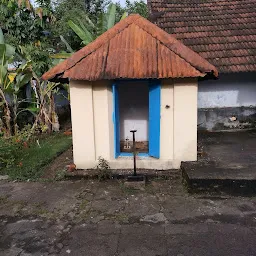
(154, 118)
(116, 120)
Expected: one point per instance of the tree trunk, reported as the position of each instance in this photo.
(55, 119)
(7, 115)
(15, 108)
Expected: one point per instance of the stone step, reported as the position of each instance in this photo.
(202, 177)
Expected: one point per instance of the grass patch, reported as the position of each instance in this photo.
(27, 163)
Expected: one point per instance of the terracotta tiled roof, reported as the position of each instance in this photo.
(222, 31)
(133, 48)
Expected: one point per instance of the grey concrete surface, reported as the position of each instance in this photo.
(224, 158)
(106, 218)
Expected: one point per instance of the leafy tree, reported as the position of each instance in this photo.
(11, 82)
(22, 23)
(95, 8)
(6, 57)
(64, 10)
(87, 19)
(89, 32)
(28, 29)
(92, 30)
(78, 11)
(39, 55)
(139, 7)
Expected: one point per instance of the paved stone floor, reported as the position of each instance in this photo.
(105, 218)
(225, 155)
(227, 161)
(229, 150)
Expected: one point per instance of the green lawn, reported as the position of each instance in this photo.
(23, 163)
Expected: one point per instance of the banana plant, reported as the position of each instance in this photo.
(59, 57)
(6, 57)
(21, 77)
(91, 31)
(11, 83)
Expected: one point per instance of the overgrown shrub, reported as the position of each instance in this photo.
(104, 171)
(9, 149)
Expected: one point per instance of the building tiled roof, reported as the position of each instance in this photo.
(133, 48)
(222, 31)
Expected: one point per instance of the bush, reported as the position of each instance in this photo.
(104, 171)
(27, 161)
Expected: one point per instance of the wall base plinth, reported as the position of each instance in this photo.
(142, 163)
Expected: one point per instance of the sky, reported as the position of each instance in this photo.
(122, 2)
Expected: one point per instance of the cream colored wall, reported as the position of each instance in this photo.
(81, 100)
(185, 119)
(92, 126)
(166, 122)
(178, 131)
(93, 130)
(103, 124)
(110, 123)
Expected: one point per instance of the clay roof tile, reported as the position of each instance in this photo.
(212, 28)
(133, 48)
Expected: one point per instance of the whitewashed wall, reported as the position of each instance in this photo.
(227, 103)
(133, 104)
(230, 90)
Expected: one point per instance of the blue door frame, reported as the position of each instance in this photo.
(116, 120)
(154, 119)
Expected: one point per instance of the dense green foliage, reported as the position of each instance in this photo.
(90, 31)
(35, 31)
(22, 162)
(28, 30)
(31, 38)
(22, 23)
(65, 11)
(139, 7)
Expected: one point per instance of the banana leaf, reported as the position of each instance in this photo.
(66, 44)
(63, 55)
(111, 16)
(1, 36)
(84, 35)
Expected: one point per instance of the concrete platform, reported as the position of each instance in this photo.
(225, 160)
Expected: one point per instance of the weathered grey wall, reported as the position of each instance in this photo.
(227, 103)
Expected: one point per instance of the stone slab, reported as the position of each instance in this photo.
(224, 159)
